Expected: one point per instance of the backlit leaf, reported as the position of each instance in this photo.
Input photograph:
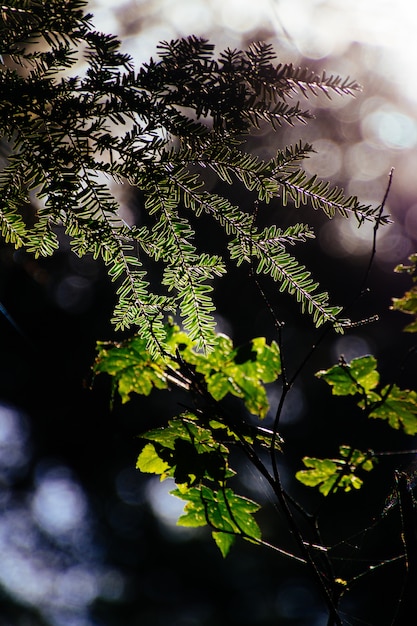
(330, 475)
(223, 510)
(224, 541)
(358, 376)
(150, 462)
(399, 408)
(132, 368)
(241, 371)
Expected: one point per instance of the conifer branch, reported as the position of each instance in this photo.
(64, 134)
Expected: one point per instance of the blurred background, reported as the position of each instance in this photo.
(85, 540)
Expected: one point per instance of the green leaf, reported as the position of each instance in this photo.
(224, 542)
(358, 376)
(131, 367)
(223, 510)
(186, 428)
(399, 408)
(191, 451)
(240, 511)
(323, 472)
(194, 511)
(150, 462)
(241, 371)
(407, 304)
(329, 475)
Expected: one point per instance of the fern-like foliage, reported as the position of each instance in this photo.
(64, 136)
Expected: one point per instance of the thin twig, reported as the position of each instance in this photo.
(375, 231)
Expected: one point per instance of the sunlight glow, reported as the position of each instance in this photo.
(59, 505)
(167, 508)
(326, 161)
(233, 15)
(190, 16)
(14, 442)
(351, 347)
(49, 559)
(373, 42)
(293, 409)
(364, 161)
(336, 25)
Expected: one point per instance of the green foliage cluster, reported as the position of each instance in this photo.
(67, 135)
(332, 474)
(360, 378)
(226, 370)
(194, 448)
(398, 407)
(408, 302)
